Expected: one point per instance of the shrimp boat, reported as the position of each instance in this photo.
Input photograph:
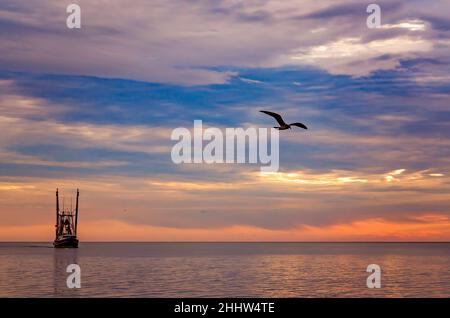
(66, 225)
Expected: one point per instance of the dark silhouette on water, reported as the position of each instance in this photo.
(66, 225)
(281, 122)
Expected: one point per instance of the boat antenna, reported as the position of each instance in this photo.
(57, 206)
(76, 212)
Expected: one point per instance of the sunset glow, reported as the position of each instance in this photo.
(94, 109)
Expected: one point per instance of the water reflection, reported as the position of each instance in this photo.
(62, 257)
(225, 270)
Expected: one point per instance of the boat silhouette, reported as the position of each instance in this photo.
(66, 225)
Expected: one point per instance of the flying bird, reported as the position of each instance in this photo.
(281, 122)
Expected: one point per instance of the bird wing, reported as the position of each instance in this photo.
(299, 125)
(277, 117)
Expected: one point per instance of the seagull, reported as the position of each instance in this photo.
(279, 119)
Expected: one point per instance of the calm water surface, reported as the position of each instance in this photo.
(226, 269)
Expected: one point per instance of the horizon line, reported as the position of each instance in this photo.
(237, 242)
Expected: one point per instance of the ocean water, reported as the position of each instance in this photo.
(226, 269)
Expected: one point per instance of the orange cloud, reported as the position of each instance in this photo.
(424, 228)
(127, 209)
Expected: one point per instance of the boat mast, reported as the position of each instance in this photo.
(57, 206)
(76, 212)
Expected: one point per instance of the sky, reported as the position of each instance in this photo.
(94, 108)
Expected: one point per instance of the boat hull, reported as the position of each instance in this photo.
(68, 242)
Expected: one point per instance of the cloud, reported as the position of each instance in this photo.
(169, 42)
(353, 57)
(279, 201)
(25, 120)
(413, 25)
(430, 227)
